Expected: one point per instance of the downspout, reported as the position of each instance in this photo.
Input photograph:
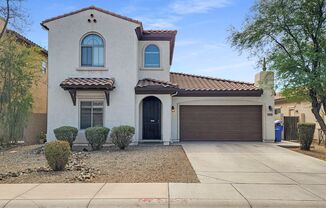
(172, 95)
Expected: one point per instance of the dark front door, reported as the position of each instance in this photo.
(151, 118)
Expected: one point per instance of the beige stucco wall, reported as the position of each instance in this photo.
(36, 122)
(299, 109)
(2, 23)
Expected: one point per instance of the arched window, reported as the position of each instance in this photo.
(152, 56)
(92, 51)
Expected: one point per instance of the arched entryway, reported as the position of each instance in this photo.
(151, 118)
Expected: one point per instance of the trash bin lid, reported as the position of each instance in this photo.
(278, 122)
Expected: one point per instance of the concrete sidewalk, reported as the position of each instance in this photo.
(159, 195)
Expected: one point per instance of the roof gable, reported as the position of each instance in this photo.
(90, 8)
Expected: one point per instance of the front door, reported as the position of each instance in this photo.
(151, 118)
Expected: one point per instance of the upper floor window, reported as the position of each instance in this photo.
(152, 56)
(92, 51)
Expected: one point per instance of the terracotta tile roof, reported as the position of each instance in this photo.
(88, 83)
(90, 8)
(147, 86)
(191, 82)
(193, 85)
(153, 82)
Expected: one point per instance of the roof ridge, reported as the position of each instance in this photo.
(163, 31)
(88, 8)
(212, 78)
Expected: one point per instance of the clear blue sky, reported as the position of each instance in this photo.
(201, 46)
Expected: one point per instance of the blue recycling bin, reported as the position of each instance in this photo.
(278, 131)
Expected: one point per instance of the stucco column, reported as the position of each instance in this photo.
(166, 119)
(265, 81)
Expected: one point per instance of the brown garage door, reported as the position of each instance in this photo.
(220, 123)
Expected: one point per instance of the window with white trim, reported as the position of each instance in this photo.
(152, 56)
(92, 51)
(91, 114)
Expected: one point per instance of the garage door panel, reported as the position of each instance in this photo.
(221, 123)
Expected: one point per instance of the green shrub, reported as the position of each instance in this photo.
(57, 154)
(66, 133)
(306, 134)
(96, 136)
(41, 139)
(121, 136)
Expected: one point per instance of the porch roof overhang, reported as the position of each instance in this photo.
(152, 86)
(73, 84)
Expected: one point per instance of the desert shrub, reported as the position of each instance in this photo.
(121, 136)
(306, 134)
(41, 139)
(96, 136)
(66, 133)
(57, 154)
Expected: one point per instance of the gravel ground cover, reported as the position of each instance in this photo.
(144, 163)
(317, 151)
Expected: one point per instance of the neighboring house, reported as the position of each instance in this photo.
(300, 109)
(106, 70)
(37, 119)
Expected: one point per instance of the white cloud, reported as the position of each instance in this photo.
(197, 6)
(159, 23)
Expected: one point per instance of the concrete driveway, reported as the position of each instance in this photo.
(262, 174)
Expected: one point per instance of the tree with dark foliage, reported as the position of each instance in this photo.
(291, 34)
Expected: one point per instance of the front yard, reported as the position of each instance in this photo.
(136, 164)
(317, 151)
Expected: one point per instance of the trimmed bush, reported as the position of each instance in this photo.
(96, 136)
(66, 133)
(306, 134)
(121, 136)
(57, 154)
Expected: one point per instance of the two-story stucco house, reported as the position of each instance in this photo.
(107, 70)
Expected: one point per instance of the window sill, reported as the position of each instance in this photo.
(151, 69)
(92, 69)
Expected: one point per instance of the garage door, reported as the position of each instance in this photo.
(220, 123)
